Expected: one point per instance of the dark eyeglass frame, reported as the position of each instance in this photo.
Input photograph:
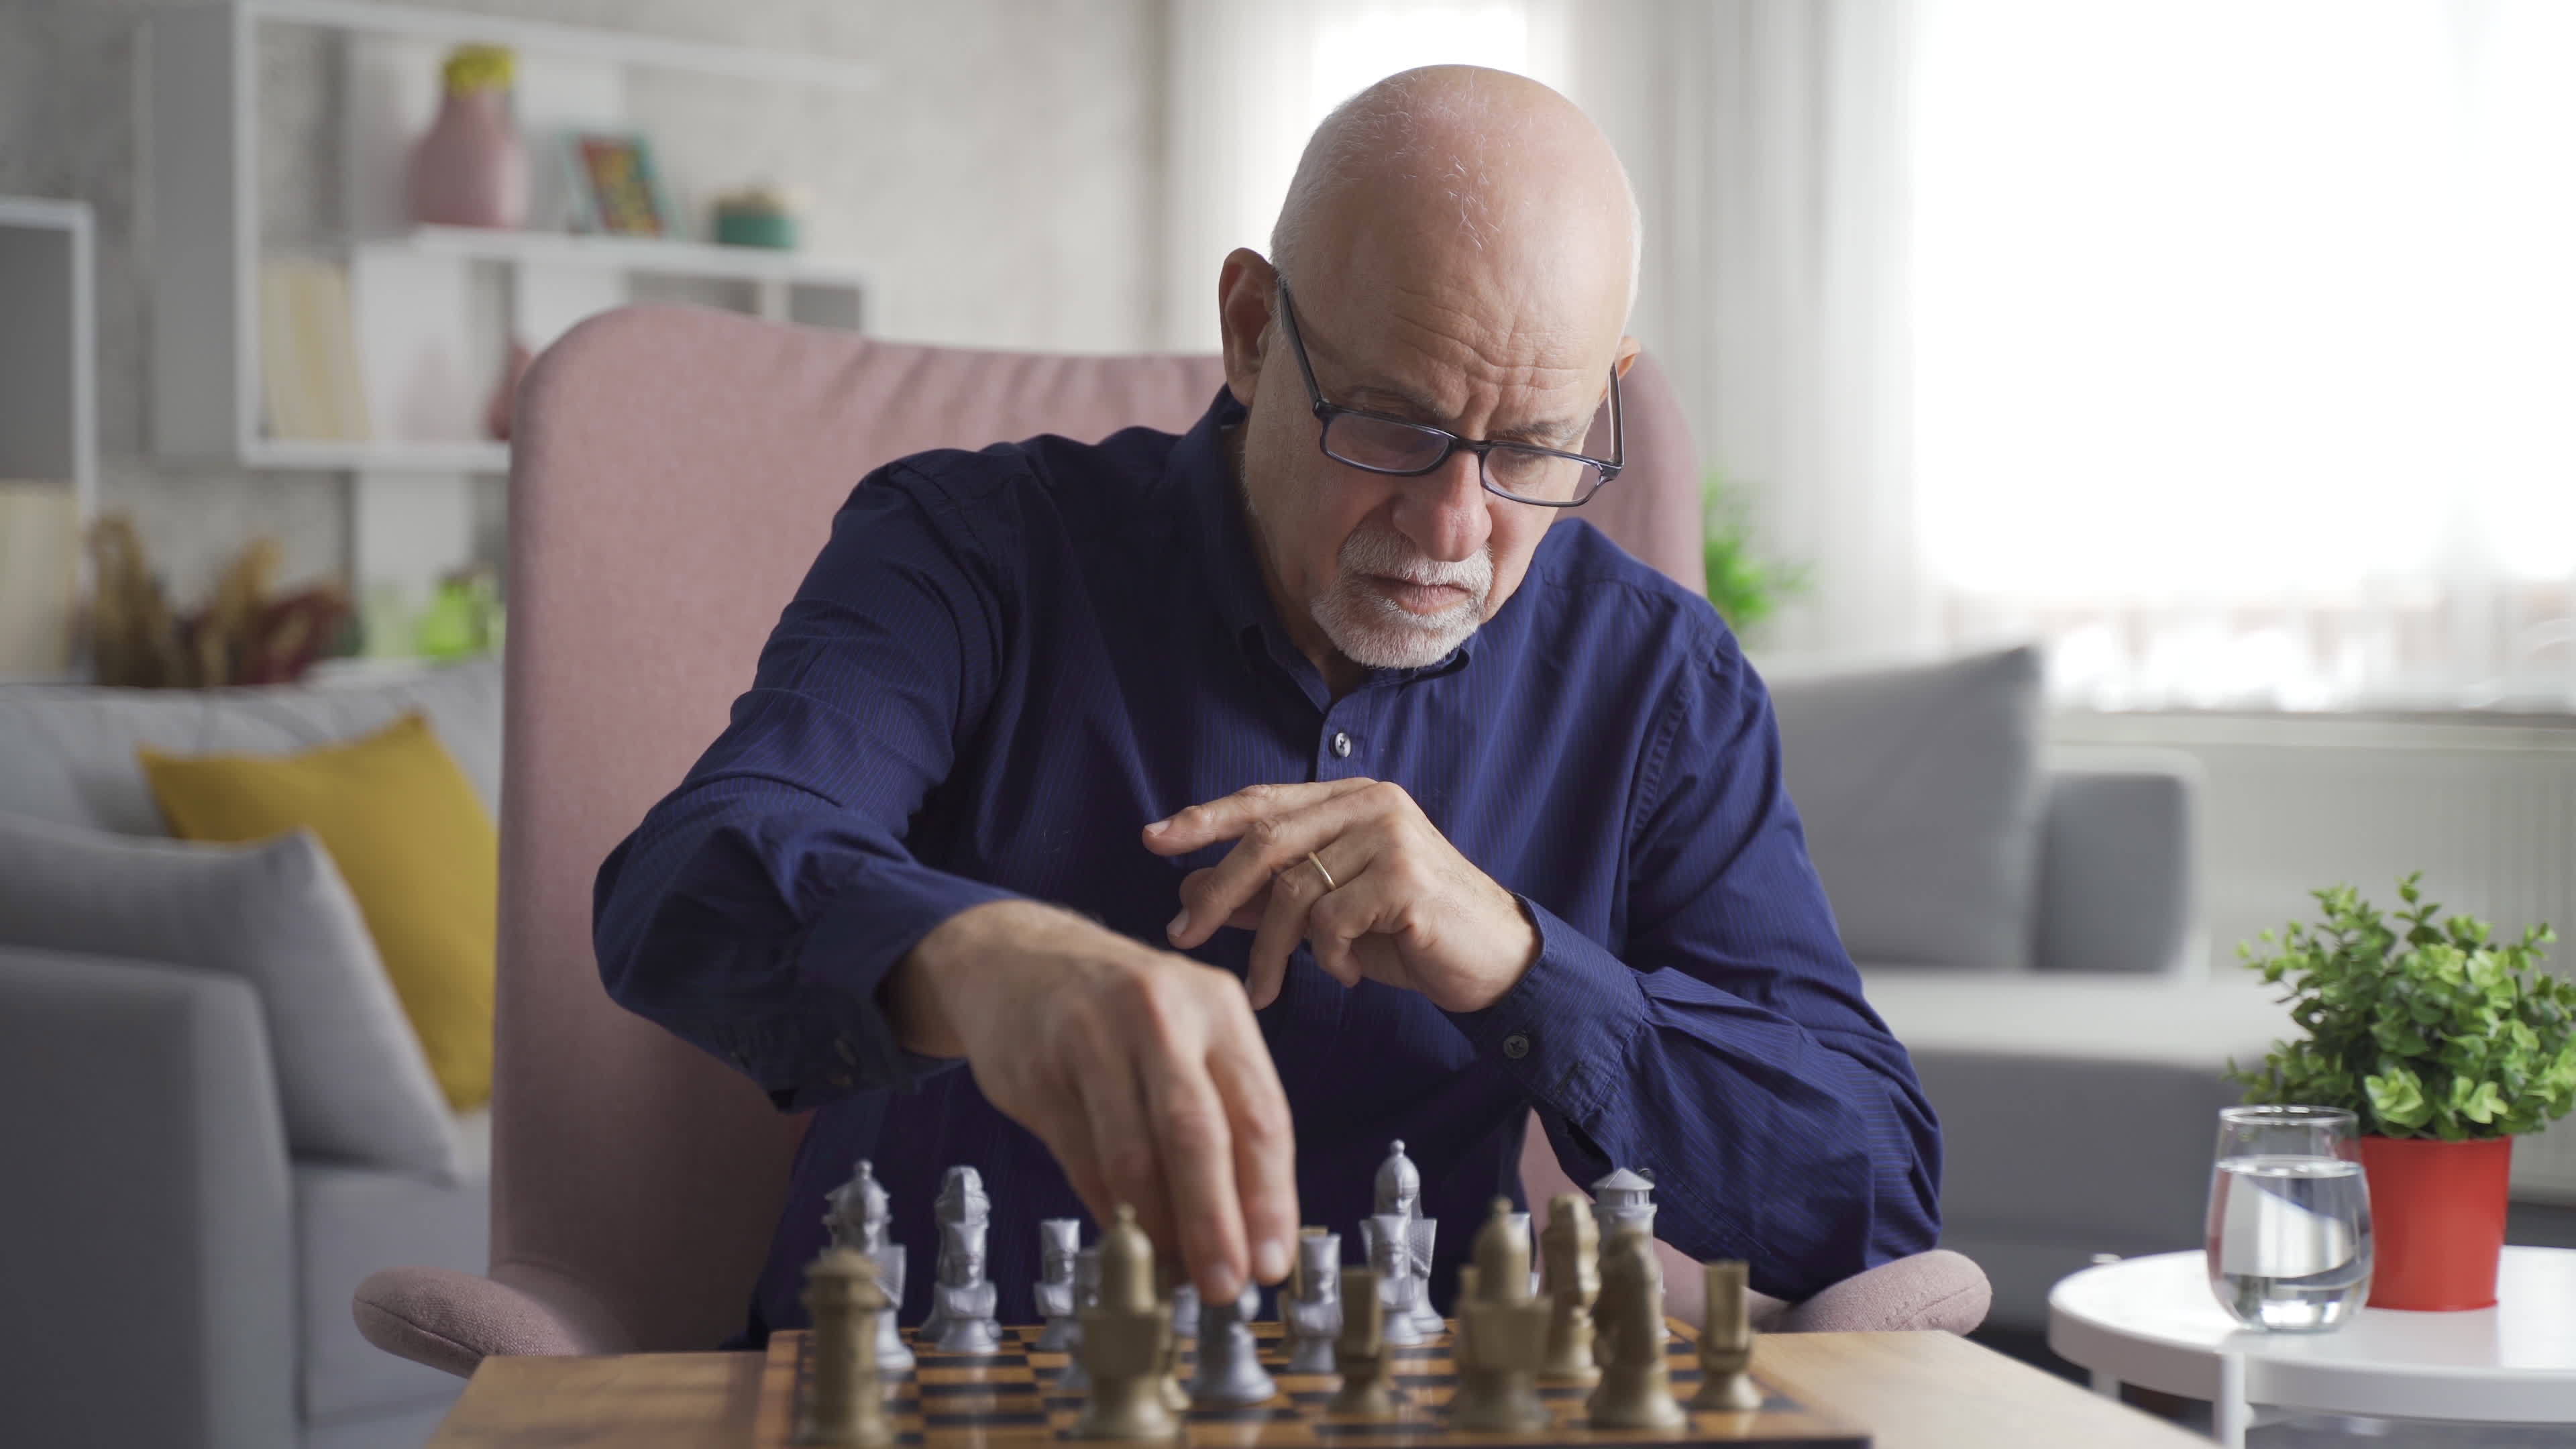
(1451, 443)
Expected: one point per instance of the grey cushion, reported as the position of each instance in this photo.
(1919, 789)
(352, 1081)
(67, 755)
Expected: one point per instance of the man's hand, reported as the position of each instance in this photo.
(1402, 905)
(1142, 1071)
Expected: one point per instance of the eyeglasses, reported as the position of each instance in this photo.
(1376, 443)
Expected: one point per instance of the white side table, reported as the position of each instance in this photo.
(2153, 1322)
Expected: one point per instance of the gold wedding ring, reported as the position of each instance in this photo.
(1318, 862)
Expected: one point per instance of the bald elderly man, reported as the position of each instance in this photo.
(1230, 804)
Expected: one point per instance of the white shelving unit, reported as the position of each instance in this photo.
(48, 428)
(433, 309)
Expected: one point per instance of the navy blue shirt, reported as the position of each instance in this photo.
(1004, 663)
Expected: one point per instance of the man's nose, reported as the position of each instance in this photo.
(1444, 512)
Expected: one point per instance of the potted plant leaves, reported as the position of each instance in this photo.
(2447, 1046)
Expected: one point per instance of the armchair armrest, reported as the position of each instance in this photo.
(2117, 870)
(148, 1208)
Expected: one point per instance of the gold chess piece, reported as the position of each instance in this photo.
(844, 1405)
(1635, 1391)
(1368, 1380)
(1502, 1332)
(1726, 1345)
(1126, 1342)
(1571, 1247)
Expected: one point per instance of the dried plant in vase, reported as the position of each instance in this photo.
(247, 632)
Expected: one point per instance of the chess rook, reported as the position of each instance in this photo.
(1368, 1384)
(1059, 1242)
(1126, 1342)
(1310, 1306)
(1726, 1345)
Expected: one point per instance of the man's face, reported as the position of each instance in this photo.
(1398, 571)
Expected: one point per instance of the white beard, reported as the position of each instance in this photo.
(1373, 630)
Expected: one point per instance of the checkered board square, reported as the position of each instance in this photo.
(1011, 1400)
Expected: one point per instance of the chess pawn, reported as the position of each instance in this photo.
(1726, 1345)
(1311, 1308)
(859, 1218)
(1368, 1383)
(1635, 1391)
(843, 1403)
(1086, 1294)
(1229, 1374)
(1401, 1287)
(1502, 1331)
(1059, 1242)
(1572, 1246)
(1399, 1194)
(1126, 1338)
(961, 1315)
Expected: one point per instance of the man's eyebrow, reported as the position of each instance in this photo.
(1413, 407)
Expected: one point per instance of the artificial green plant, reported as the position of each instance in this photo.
(2421, 1027)
(1746, 588)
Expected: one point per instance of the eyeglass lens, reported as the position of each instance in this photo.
(1393, 447)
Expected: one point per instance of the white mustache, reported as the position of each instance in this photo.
(1390, 555)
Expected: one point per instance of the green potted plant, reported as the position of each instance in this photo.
(2447, 1046)
(1746, 587)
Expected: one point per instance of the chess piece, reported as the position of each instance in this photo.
(1400, 1283)
(843, 1403)
(1059, 1241)
(1573, 1246)
(1175, 1397)
(1126, 1338)
(1185, 1310)
(961, 1302)
(1311, 1308)
(1399, 1194)
(1086, 1294)
(1502, 1331)
(858, 1217)
(1726, 1345)
(1625, 1196)
(1229, 1374)
(1368, 1381)
(1635, 1391)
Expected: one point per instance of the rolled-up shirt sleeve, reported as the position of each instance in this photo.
(1726, 1047)
(759, 906)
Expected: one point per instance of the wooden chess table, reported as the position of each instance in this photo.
(1876, 1390)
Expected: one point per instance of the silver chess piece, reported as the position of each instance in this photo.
(1086, 1295)
(1399, 1196)
(1624, 1197)
(858, 1217)
(1401, 1286)
(1310, 1308)
(1059, 1242)
(1230, 1375)
(961, 1302)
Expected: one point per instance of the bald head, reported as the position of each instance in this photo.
(1463, 167)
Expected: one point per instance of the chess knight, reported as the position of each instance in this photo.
(962, 1302)
(858, 1219)
(1407, 1254)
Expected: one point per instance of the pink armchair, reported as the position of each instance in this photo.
(673, 473)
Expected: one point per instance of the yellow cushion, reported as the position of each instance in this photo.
(416, 847)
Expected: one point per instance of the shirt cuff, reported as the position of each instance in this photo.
(845, 1043)
(1563, 1031)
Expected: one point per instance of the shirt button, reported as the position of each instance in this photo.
(1341, 745)
(1516, 1046)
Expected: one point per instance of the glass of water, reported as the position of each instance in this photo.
(2289, 1218)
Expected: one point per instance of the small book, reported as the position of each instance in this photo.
(309, 352)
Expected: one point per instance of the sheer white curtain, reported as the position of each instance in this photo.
(2245, 345)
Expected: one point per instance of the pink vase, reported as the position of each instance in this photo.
(469, 169)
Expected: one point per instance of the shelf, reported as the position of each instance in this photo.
(617, 47)
(656, 255)
(390, 456)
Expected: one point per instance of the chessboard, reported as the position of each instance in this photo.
(1010, 1400)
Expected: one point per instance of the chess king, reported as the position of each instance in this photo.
(962, 1303)
(1408, 1236)
(1318, 772)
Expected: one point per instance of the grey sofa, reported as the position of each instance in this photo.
(171, 1272)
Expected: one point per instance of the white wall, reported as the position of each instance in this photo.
(1003, 182)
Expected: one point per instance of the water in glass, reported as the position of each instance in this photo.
(2289, 1240)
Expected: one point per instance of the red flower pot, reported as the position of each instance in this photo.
(2437, 1213)
(469, 168)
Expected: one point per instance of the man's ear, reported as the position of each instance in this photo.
(1626, 356)
(1244, 289)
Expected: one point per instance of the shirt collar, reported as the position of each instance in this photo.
(1201, 478)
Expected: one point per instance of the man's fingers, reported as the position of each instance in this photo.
(1265, 1151)
(1292, 893)
(1337, 924)
(1066, 1130)
(1195, 1144)
(1267, 849)
(1122, 1142)
(1228, 817)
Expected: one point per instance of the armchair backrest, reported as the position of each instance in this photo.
(674, 472)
